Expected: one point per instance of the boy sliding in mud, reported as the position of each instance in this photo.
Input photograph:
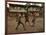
(33, 20)
(19, 21)
(34, 14)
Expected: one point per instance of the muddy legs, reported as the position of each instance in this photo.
(19, 24)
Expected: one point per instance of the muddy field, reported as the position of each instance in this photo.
(12, 24)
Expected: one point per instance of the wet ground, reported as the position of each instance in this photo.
(12, 24)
